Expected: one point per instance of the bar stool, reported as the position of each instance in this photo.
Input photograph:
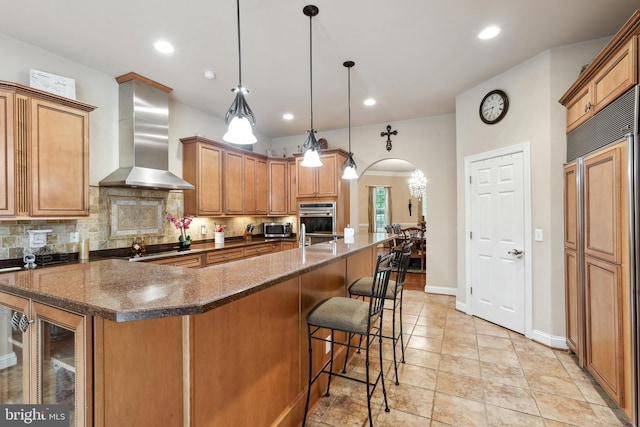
(362, 288)
(355, 317)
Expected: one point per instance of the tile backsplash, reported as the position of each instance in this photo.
(14, 237)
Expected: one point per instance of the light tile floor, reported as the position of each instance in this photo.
(464, 371)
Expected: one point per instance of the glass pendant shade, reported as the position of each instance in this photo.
(350, 168)
(311, 159)
(240, 132)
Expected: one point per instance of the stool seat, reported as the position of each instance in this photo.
(362, 288)
(342, 314)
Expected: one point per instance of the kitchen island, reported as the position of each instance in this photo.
(222, 345)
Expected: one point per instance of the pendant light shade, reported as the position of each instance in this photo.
(239, 117)
(349, 164)
(311, 148)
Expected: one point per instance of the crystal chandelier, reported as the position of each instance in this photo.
(417, 184)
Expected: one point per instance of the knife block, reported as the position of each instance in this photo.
(247, 236)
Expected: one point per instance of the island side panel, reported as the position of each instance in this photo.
(245, 359)
(138, 373)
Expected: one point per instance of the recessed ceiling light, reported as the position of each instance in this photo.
(163, 46)
(208, 74)
(287, 116)
(369, 102)
(489, 33)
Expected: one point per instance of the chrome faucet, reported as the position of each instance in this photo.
(303, 237)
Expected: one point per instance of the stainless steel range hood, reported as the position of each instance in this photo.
(144, 137)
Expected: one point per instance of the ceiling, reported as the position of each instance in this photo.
(413, 56)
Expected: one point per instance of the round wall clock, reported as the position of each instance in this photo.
(494, 107)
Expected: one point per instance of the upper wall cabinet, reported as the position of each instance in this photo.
(323, 181)
(202, 165)
(611, 74)
(44, 150)
(227, 180)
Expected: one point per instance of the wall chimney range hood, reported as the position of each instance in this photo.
(144, 137)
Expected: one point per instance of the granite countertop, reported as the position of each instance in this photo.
(119, 290)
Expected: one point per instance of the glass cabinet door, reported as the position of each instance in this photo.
(61, 360)
(14, 354)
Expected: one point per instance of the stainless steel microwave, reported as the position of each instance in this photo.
(277, 229)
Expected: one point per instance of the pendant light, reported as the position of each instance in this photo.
(311, 148)
(239, 118)
(349, 164)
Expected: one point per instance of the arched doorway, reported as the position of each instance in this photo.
(384, 197)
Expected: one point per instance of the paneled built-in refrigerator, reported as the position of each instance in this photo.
(601, 231)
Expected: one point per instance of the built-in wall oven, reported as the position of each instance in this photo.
(319, 220)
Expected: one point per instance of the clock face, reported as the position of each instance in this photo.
(494, 107)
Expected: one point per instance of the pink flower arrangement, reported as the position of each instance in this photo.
(182, 224)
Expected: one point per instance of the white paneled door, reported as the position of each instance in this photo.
(497, 277)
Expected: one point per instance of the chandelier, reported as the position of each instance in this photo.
(417, 184)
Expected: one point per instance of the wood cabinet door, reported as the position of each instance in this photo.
(306, 180)
(570, 207)
(327, 176)
(293, 188)
(573, 303)
(202, 166)
(188, 261)
(59, 160)
(209, 180)
(233, 183)
(604, 352)
(63, 364)
(579, 108)
(249, 186)
(278, 187)
(603, 194)
(618, 75)
(261, 185)
(7, 178)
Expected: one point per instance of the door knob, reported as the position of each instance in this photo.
(516, 253)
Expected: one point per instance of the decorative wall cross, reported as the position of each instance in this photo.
(388, 134)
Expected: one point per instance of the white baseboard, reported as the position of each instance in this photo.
(440, 290)
(7, 360)
(461, 306)
(552, 341)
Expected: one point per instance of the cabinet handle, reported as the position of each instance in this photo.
(587, 107)
(20, 322)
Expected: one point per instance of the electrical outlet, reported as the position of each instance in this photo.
(327, 345)
(203, 229)
(74, 237)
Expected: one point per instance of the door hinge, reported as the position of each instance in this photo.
(469, 179)
(471, 290)
(471, 235)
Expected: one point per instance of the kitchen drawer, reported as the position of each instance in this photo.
(257, 250)
(216, 257)
(188, 261)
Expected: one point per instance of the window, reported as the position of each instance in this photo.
(381, 197)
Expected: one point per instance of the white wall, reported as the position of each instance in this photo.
(428, 143)
(101, 90)
(535, 117)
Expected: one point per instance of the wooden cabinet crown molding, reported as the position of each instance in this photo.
(629, 30)
(224, 146)
(37, 93)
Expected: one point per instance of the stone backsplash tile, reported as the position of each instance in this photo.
(14, 238)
